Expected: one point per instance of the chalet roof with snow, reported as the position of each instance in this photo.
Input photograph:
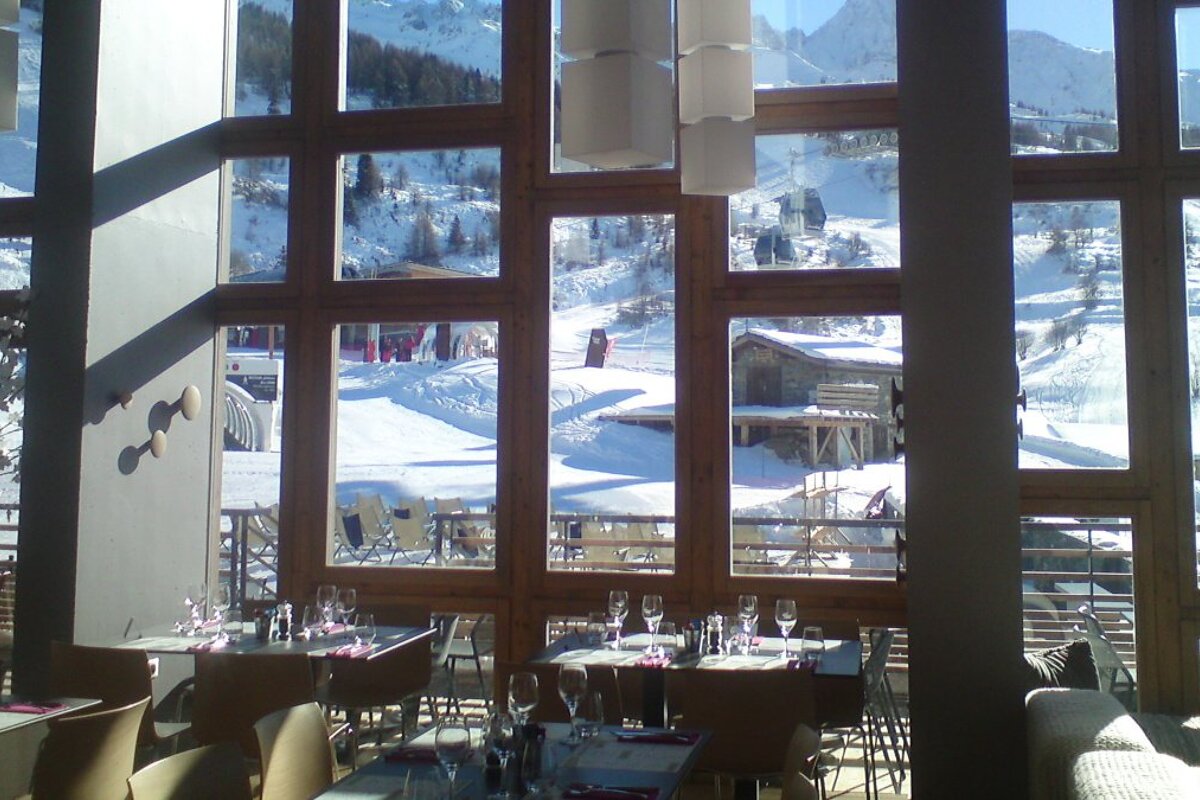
(825, 349)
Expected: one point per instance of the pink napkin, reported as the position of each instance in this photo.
(796, 663)
(579, 791)
(652, 661)
(412, 755)
(204, 647)
(336, 627)
(756, 641)
(663, 737)
(350, 651)
(209, 625)
(18, 707)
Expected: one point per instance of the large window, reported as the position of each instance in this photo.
(258, 223)
(822, 42)
(263, 62)
(18, 148)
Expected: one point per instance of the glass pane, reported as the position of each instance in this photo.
(258, 222)
(560, 164)
(404, 54)
(822, 201)
(813, 42)
(1191, 221)
(817, 485)
(1078, 581)
(1187, 54)
(14, 262)
(18, 148)
(263, 73)
(1062, 79)
(1070, 335)
(612, 394)
(416, 445)
(250, 460)
(421, 214)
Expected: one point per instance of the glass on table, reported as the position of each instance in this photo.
(221, 601)
(364, 629)
(667, 636)
(522, 695)
(591, 715)
(452, 743)
(499, 736)
(785, 618)
(572, 686)
(812, 643)
(347, 602)
(618, 608)
(652, 613)
(597, 627)
(748, 617)
(311, 621)
(195, 600)
(326, 600)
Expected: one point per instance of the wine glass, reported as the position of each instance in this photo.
(220, 606)
(347, 601)
(326, 599)
(748, 616)
(618, 607)
(522, 695)
(812, 643)
(499, 732)
(452, 742)
(195, 599)
(311, 621)
(364, 629)
(785, 618)
(652, 613)
(572, 686)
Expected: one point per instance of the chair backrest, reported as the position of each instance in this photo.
(411, 526)
(115, 676)
(297, 757)
(876, 663)
(752, 715)
(798, 787)
(802, 753)
(234, 690)
(448, 505)
(89, 756)
(447, 626)
(483, 636)
(205, 773)
(1091, 622)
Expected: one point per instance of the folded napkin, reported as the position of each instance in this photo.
(333, 628)
(350, 651)
(204, 647)
(412, 755)
(796, 663)
(26, 707)
(653, 661)
(594, 792)
(209, 625)
(658, 737)
(756, 641)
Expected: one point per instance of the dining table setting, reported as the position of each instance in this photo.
(18, 712)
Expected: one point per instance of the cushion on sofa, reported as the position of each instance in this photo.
(1068, 666)
(1112, 775)
(1065, 723)
(1176, 736)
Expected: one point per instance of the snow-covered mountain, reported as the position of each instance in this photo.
(1047, 73)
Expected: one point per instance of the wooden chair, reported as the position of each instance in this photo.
(753, 715)
(480, 643)
(296, 755)
(803, 761)
(215, 771)
(117, 677)
(235, 690)
(89, 756)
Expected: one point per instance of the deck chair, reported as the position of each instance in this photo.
(215, 771)
(117, 677)
(349, 535)
(641, 532)
(376, 526)
(744, 556)
(89, 756)
(470, 530)
(411, 535)
(595, 556)
(1115, 677)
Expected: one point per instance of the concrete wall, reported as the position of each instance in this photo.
(124, 265)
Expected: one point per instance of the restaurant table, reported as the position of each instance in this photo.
(644, 765)
(13, 720)
(164, 639)
(837, 677)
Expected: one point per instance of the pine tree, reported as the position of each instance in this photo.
(369, 182)
(456, 238)
(422, 241)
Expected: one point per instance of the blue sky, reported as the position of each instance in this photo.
(1087, 23)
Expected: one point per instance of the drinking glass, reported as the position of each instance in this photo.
(652, 613)
(785, 618)
(812, 643)
(195, 600)
(220, 606)
(364, 629)
(452, 742)
(618, 607)
(572, 686)
(748, 616)
(666, 633)
(522, 695)
(591, 715)
(499, 732)
(347, 601)
(311, 621)
(596, 628)
(326, 599)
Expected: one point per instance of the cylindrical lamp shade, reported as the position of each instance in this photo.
(715, 82)
(703, 23)
(717, 157)
(617, 111)
(592, 27)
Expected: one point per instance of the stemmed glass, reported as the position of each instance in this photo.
(452, 742)
(499, 736)
(522, 695)
(572, 686)
(220, 606)
(618, 607)
(347, 601)
(652, 613)
(195, 599)
(785, 618)
(326, 599)
(748, 616)
(311, 621)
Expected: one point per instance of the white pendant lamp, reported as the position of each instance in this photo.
(716, 97)
(616, 96)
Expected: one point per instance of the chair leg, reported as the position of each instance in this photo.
(483, 692)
